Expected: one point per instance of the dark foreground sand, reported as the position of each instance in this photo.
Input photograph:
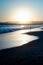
(28, 54)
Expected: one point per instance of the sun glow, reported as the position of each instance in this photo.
(23, 16)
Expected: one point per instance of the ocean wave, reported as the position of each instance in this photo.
(7, 30)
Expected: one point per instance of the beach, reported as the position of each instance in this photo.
(29, 54)
(21, 32)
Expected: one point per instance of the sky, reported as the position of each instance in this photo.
(8, 9)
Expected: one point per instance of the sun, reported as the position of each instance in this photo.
(23, 16)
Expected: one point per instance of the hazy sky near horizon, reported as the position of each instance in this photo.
(8, 8)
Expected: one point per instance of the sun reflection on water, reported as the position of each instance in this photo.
(22, 26)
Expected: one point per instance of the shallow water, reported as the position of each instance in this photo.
(17, 38)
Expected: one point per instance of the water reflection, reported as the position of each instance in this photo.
(15, 39)
(22, 26)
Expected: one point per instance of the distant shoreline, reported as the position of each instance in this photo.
(16, 23)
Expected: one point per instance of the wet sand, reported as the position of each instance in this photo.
(27, 54)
